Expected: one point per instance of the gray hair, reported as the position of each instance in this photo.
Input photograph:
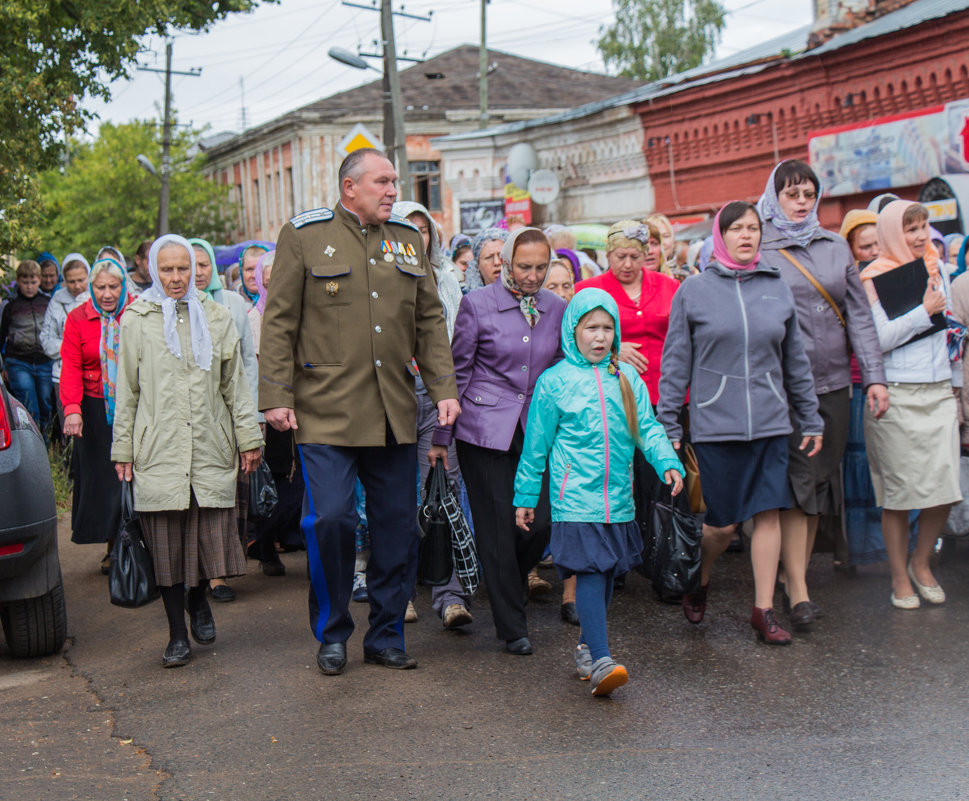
(109, 266)
(352, 166)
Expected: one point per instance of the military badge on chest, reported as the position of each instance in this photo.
(332, 287)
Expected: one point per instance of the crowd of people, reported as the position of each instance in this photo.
(559, 393)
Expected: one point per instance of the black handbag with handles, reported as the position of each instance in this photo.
(671, 550)
(434, 561)
(131, 578)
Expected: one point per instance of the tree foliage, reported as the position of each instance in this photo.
(104, 197)
(653, 39)
(53, 54)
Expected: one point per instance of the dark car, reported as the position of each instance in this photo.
(31, 589)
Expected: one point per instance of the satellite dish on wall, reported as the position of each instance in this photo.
(522, 159)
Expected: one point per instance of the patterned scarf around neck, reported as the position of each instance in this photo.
(769, 209)
(110, 338)
(525, 302)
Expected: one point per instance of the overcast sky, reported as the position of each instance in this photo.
(280, 51)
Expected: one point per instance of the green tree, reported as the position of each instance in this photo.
(104, 197)
(53, 54)
(653, 39)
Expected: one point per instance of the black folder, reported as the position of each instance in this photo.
(902, 289)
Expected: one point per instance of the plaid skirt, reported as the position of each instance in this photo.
(193, 545)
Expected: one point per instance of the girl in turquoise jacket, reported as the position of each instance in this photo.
(588, 415)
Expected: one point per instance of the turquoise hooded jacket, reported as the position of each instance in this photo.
(577, 423)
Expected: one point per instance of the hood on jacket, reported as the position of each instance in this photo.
(404, 208)
(584, 302)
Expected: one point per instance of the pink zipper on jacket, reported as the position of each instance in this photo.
(605, 430)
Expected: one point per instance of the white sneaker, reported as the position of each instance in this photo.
(583, 661)
(410, 616)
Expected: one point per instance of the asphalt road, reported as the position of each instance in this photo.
(871, 705)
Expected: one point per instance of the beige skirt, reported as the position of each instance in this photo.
(913, 451)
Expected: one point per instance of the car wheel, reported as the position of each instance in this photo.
(36, 626)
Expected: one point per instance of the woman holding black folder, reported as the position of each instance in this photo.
(913, 450)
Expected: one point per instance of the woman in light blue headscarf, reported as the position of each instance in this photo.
(834, 318)
(247, 272)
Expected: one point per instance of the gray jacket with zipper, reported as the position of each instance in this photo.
(734, 343)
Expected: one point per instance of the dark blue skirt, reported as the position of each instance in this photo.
(596, 547)
(740, 479)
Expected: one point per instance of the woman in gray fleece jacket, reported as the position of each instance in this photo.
(734, 344)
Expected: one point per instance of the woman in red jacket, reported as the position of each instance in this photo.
(89, 362)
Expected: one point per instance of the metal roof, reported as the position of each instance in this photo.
(790, 46)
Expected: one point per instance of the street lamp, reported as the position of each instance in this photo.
(145, 162)
(395, 138)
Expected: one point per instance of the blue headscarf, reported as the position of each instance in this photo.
(769, 209)
(46, 256)
(961, 259)
(253, 296)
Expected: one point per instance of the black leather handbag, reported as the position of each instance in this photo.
(131, 577)
(434, 561)
(671, 552)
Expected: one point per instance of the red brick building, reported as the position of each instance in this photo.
(712, 135)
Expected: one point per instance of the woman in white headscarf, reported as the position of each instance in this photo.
(183, 410)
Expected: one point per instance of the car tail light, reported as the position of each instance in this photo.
(5, 434)
(10, 550)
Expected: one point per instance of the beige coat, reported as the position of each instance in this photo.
(343, 323)
(181, 426)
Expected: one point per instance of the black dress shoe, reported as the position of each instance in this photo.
(817, 610)
(222, 593)
(332, 658)
(391, 658)
(176, 654)
(202, 624)
(520, 647)
(569, 614)
(801, 615)
(275, 568)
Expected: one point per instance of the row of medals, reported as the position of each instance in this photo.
(398, 253)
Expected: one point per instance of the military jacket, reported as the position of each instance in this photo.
(350, 307)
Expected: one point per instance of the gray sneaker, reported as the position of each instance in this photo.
(607, 676)
(583, 661)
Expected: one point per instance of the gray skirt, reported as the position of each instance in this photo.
(192, 545)
(815, 482)
(913, 451)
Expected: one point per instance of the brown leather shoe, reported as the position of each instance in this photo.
(695, 604)
(762, 621)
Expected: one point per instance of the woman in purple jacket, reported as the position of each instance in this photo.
(505, 335)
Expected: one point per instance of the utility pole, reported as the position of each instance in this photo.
(166, 162)
(395, 137)
(393, 82)
(483, 67)
(242, 93)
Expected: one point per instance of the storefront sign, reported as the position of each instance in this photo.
(518, 201)
(892, 152)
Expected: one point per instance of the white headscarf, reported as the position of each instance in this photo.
(201, 339)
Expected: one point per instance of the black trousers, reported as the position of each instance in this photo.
(505, 551)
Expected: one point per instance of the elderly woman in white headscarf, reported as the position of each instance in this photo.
(485, 266)
(183, 411)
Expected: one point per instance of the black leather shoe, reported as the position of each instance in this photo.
(332, 658)
(202, 624)
(520, 647)
(801, 615)
(817, 610)
(176, 654)
(391, 658)
(222, 593)
(569, 615)
(273, 568)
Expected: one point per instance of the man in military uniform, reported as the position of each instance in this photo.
(351, 305)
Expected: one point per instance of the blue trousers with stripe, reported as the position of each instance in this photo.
(388, 475)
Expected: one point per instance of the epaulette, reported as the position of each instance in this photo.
(394, 218)
(314, 215)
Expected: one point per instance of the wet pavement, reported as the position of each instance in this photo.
(870, 705)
